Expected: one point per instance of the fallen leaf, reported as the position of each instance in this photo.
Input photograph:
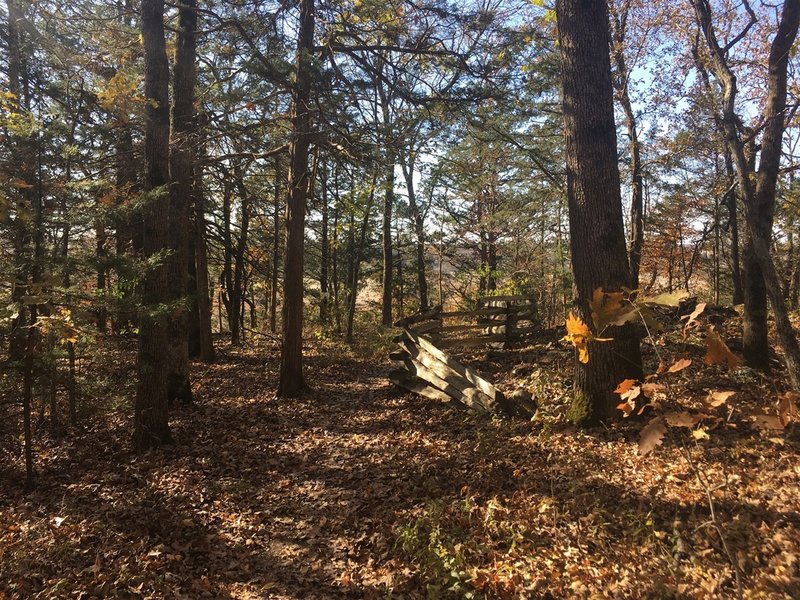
(624, 386)
(666, 299)
(682, 419)
(691, 320)
(717, 352)
(787, 407)
(679, 365)
(718, 398)
(768, 422)
(700, 434)
(651, 436)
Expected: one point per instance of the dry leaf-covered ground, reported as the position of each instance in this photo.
(358, 491)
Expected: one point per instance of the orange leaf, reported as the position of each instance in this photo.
(787, 407)
(624, 386)
(578, 334)
(717, 352)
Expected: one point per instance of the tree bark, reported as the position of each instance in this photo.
(183, 149)
(419, 231)
(324, 297)
(291, 372)
(760, 198)
(203, 291)
(150, 425)
(636, 240)
(276, 248)
(599, 255)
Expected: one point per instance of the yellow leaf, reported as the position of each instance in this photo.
(700, 434)
(610, 308)
(578, 334)
(666, 299)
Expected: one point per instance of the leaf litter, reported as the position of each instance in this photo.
(358, 491)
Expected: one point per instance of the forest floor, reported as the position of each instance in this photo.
(359, 491)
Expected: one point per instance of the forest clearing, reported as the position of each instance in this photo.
(402, 299)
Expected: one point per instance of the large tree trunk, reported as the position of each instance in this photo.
(761, 197)
(291, 372)
(599, 256)
(150, 424)
(183, 150)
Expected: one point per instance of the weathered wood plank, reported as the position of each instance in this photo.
(466, 372)
(472, 342)
(409, 382)
(426, 326)
(440, 374)
(431, 313)
(507, 298)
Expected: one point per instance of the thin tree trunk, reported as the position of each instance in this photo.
(276, 247)
(203, 291)
(357, 256)
(324, 299)
(636, 241)
(419, 231)
(183, 149)
(759, 200)
(387, 282)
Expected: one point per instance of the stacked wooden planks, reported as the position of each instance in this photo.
(425, 369)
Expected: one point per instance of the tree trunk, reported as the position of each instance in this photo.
(291, 371)
(636, 241)
(276, 248)
(760, 199)
(324, 298)
(21, 161)
(419, 231)
(599, 255)
(729, 199)
(183, 150)
(201, 255)
(357, 253)
(150, 425)
(388, 254)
